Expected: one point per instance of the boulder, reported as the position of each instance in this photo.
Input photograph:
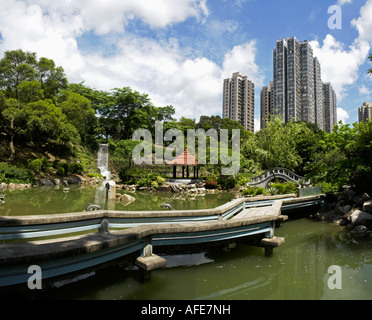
(350, 194)
(359, 232)
(127, 198)
(365, 197)
(342, 210)
(46, 183)
(361, 218)
(164, 188)
(367, 206)
(74, 180)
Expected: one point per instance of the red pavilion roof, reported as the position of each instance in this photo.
(184, 159)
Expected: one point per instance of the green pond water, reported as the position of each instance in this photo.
(297, 270)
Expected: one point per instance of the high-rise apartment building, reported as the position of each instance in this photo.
(266, 104)
(365, 112)
(238, 100)
(319, 96)
(294, 93)
(298, 93)
(330, 107)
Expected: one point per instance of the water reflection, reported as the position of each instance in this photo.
(52, 200)
(298, 269)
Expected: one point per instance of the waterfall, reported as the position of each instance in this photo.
(102, 164)
(102, 161)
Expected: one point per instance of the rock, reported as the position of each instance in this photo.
(359, 232)
(365, 197)
(46, 183)
(350, 194)
(164, 188)
(367, 206)
(329, 215)
(127, 198)
(74, 180)
(342, 210)
(361, 218)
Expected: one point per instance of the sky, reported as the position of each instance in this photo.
(180, 51)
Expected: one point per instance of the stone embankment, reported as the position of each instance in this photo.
(350, 210)
(52, 182)
(192, 189)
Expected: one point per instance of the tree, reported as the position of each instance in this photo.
(12, 114)
(277, 145)
(18, 66)
(129, 111)
(45, 122)
(370, 58)
(15, 67)
(51, 77)
(79, 112)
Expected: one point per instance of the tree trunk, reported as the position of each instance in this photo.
(11, 143)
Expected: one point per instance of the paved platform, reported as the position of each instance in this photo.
(254, 213)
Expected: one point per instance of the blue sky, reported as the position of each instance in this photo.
(179, 51)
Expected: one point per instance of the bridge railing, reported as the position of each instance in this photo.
(276, 171)
(34, 227)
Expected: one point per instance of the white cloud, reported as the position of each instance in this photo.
(364, 23)
(342, 115)
(104, 16)
(340, 66)
(363, 90)
(160, 68)
(257, 125)
(343, 2)
(242, 59)
(192, 86)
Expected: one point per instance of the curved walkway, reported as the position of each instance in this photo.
(278, 173)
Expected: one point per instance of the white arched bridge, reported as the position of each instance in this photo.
(278, 173)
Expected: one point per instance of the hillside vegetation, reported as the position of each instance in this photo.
(51, 126)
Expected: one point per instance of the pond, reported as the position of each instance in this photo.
(297, 270)
(46, 200)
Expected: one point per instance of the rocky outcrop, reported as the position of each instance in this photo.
(192, 189)
(125, 198)
(196, 189)
(15, 186)
(350, 210)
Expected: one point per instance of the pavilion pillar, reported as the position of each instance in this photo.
(174, 172)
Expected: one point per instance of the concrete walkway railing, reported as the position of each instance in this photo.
(33, 227)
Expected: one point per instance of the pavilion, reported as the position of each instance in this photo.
(186, 160)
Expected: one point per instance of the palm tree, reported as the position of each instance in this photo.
(370, 58)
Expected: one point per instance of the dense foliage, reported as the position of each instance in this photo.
(62, 124)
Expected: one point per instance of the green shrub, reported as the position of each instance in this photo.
(285, 188)
(39, 165)
(254, 191)
(328, 187)
(14, 174)
(151, 181)
(227, 182)
(273, 191)
(61, 171)
(211, 183)
(76, 168)
(243, 179)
